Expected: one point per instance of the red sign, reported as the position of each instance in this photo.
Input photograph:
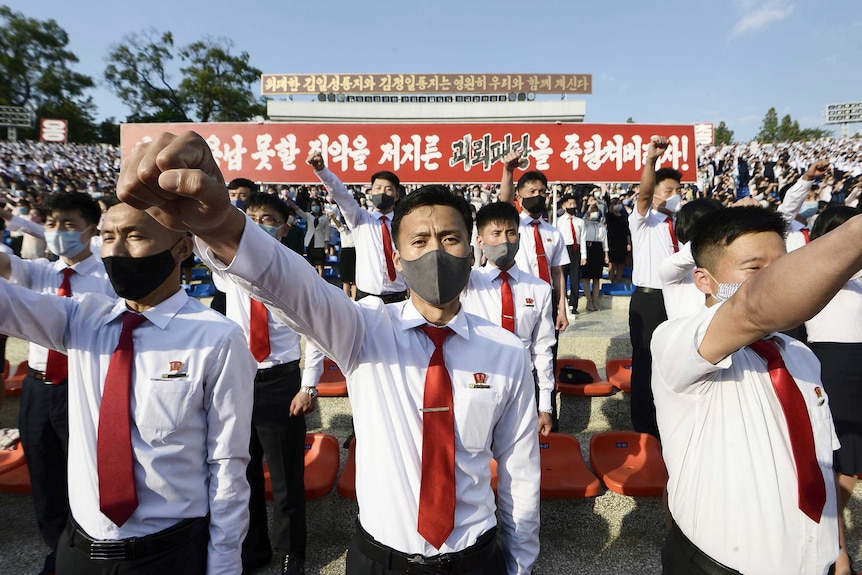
(433, 153)
(53, 130)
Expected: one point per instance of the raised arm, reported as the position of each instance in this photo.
(507, 181)
(15, 223)
(657, 147)
(795, 196)
(350, 208)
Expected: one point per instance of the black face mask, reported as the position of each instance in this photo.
(571, 211)
(382, 201)
(534, 205)
(135, 278)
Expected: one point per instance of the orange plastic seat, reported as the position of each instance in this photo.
(6, 368)
(15, 382)
(347, 482)
(596, 388)
(12, 458)
(619, 373)
(16, 479)
(332, 382)
(321, 466)
(628, 462)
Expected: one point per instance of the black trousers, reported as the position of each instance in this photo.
(573, 270)
(43, 421)
(646, 312)
(189, 558)
(679, 556)
(281, 438)
(359, 564)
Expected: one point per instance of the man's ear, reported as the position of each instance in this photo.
(396, 259)
(702, 281)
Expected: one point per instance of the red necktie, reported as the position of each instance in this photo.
(508, 310)
(387, 248)
(118, 497)
(574, 235)
(57, 368)
(806, 234)
(541, 258)
(812, 491)
(675, 243)
(258, 327)
(437, 491)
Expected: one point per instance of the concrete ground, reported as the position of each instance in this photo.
(609, 534)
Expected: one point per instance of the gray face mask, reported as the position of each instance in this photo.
(502, 255)
(725, 291)
(437, 277)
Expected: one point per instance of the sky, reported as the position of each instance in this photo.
(669, 62)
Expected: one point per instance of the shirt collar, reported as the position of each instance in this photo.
(160, 315)
(494, 272)
(411, 318)
(82, 267)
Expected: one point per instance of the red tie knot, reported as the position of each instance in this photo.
(68, 272)
(132, 320)
(504, 276)
(437, 334)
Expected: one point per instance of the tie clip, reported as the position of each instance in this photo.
(433, 409)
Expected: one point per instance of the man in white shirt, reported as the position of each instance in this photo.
(423, 505)
(43, 419)
(523, 306)
(572, 229)
(159, 410)
(372, 231)
(653, 240)
(748, 443)
(277, 433)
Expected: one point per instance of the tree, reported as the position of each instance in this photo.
(769, 129)
(788, 130)
(35, 72)
(214, 85)
(630, 120)
(723, 135)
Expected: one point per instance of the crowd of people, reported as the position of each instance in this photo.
(445, 323)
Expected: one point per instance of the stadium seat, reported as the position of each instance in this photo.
(615, 289)
(14, 382)
(202, 290)
(619, 373)
(628, 462)
(332, 382)
(596, 388)
(565, 475)
(201, 273)
(347, 482)
(12, 458)
(321, 466)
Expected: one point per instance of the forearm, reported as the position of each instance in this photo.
(647, 187)
(793, 199)
(343, 198)
(312, 368)
(559, 289)
(17, 223)
(507, 186)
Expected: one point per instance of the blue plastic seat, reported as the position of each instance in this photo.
(202, 290)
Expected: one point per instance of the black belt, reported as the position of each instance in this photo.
(697, 557)
(279, 370)
(39, 375)
(135, 547)
(387, 297)
(647, 290)
(462, 561)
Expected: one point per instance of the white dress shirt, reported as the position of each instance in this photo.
(789, 208)
(315, 236)
(732, 485)
(556, 253)
(594, 232)
(681, 296)
(841, 320)
(43, 276)
(283, 341)
(26, 225)
(191, 425)
(534, 318)
(651, 244)
(371, 268)
(564, 224)
(385, 358)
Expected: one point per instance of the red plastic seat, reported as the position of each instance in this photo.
(12, 458)
(15, 477)
(628, 462)
(6, 367)
(596, 388)
(14, 382)
(332, 382)
(347, 482)
(321, 466)
(619, 373)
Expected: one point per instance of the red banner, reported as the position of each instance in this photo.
(433, 153)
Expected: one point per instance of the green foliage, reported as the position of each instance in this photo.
(787, 130)
(214, 86)
(723, 135)
(769, 129)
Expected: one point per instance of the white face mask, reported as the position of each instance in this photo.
(725, 291)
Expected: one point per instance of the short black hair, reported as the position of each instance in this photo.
(667, 174)
(431, 195)
(110, 200)
(830, 219)
(688, 217)
(242, 183)
(389, 177)
(531, 176)
(82, 204)
(262, 199)
(721, 228)
(497, 213)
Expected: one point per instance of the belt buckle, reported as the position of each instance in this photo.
(108, 550)
(421, 565)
